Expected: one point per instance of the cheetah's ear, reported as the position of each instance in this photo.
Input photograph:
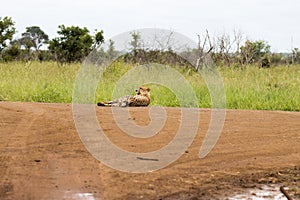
(148, 89)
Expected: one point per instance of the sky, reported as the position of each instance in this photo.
(275, 21)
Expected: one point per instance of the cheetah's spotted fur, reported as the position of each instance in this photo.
(142, 98)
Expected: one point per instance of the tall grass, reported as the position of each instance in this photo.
(276, 88)
(37, 82)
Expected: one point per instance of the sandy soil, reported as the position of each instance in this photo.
(42, 156)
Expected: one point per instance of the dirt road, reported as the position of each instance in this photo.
(42, 156)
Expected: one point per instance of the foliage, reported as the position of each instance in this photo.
(135, 43)
(111, 52)
(35, 37)
(26, 42)
(278, 59)
(7, 30)
(37, 82)
(142, 56)
(295, 56)
(274, 88)
(255, 51)
(99, 38)
(11, 53)
(73, 44)
(26, 47)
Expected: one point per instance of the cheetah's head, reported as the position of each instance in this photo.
(144, 91)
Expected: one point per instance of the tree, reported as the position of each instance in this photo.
(135, 42)
(238, 37)
(225, 45)
(204, 48)
(11, 53)
(7, 30)
(74, 43)
(37, 37)
(32, 40)
(99, 38)
(255, 51)
(111, 52)
(26, 42)
(295, 57)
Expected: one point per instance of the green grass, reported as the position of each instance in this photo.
(275, 88)
(37, 82)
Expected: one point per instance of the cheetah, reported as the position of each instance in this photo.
(142, 98)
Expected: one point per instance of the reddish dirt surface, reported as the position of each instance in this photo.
(42, 156)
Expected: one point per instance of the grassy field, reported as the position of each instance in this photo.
(275, 88)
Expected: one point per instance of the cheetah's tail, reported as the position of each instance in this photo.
(107, 104)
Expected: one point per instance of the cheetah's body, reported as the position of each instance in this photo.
(142, 98)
